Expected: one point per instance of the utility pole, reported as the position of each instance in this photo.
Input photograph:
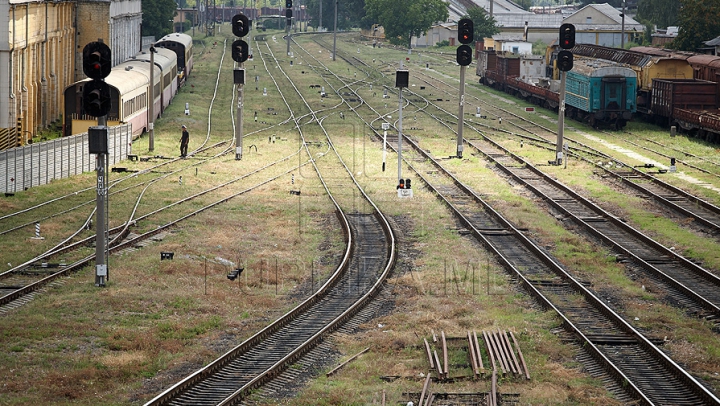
(561, 120)
(101, 240)
(151, 105)
(622, 39)
(402, 79)
(466, 35)
(335, 29)
(240, 52)
(564, 63)
(461, 113)
(97, 60)
(239, 118)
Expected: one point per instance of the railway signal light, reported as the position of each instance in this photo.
(96, 98)
(565, 61)
(96, 60)
(240, 25)
(240, 51)
(567, 36)
(288, 3)
(466, 32)
(288, 13)
(464, 55)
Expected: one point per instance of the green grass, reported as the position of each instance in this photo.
(158, 320)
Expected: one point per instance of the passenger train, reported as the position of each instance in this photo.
(129, 87)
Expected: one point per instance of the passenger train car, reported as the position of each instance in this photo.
(129, 87)
(646, 63)
(601, 92)
(182, 45)
(167, 86)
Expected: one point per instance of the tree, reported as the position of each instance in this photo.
(699, 21)
(350, 13)
(663, 13)
(157, 17)
(524, 4)
(484, 25)
(404, 19)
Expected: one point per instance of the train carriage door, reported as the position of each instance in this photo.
(612, 95)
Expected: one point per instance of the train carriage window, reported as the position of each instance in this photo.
(612, 92)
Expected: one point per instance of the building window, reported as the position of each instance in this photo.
(588, 20)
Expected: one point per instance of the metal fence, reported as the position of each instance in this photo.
(39, 163)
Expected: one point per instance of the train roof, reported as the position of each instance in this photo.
(177, 37)
(611, 54)
(129, 76)
(164, 57)
(663, 52)
(703, 59)
(599, 68)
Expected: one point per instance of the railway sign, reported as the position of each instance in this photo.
(402, 78)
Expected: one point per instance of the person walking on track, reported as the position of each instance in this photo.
(184, 141)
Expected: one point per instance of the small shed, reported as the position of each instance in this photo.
(508, 44)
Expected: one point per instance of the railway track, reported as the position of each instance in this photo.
(633, 360)
(32, 276)
(704, 214)
(37, 272)
(689, 285)
(368, 259)
(636, 364)
(696, 289)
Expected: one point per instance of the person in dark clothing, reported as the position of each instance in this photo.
(184, 141)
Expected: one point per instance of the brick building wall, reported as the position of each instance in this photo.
(37, 64)
(41, 55)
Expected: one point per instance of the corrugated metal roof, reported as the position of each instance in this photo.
(713, 42)
(534, 20)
